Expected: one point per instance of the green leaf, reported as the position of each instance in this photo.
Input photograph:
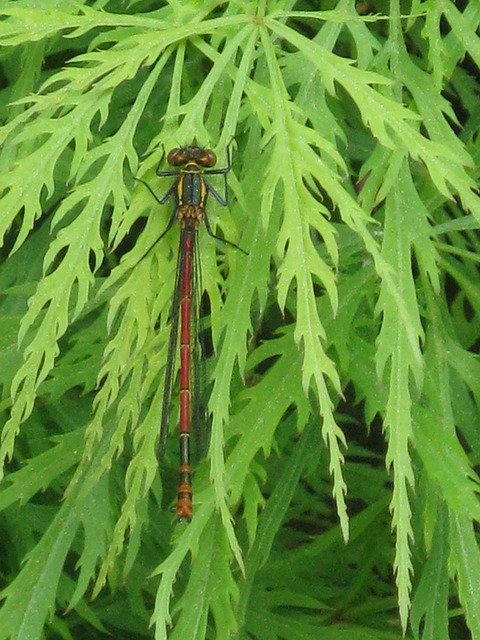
(30, 598)
(273, 515)
(431, 597)
(211, 586)
(465, 561)
(394, 346)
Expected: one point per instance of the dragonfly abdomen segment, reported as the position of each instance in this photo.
(190, 215)
(184, 495)
(184, 502)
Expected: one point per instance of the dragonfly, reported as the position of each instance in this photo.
(189, 190)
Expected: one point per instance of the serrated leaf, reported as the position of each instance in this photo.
(431, 597)
(465, 561)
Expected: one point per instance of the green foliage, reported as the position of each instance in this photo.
(339, 498)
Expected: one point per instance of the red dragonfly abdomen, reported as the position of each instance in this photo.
(184, 498)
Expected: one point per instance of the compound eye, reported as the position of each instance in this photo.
(176, 157)
(208, 158)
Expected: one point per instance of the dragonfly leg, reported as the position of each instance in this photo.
(213, 235)
(165, 196)
(223, 171)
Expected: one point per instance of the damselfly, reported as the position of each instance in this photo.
(190, 190)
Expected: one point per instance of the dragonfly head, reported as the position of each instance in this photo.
(192, 154)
